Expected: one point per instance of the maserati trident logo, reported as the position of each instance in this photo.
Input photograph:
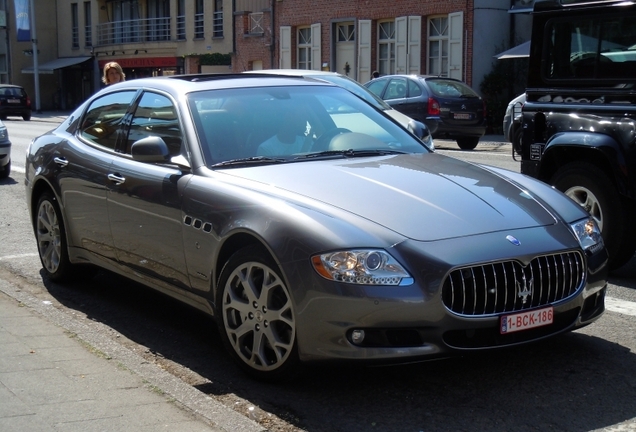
(513, 240)
(524, 289)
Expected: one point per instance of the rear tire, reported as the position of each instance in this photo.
(50, 234)
(467, 143)
(256, 317)
(592, 189)
(26, 117)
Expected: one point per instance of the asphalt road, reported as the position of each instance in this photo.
(581, 381)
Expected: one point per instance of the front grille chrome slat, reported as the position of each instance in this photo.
(508, 286)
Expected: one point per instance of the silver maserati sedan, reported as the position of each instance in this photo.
(311, 225)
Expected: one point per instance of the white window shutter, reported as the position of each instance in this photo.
(455, 45)
(316, 57)
(414, 59)
(364, 50)
(284, 62)
(401, 55)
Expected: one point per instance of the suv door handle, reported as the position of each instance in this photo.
(117, 179)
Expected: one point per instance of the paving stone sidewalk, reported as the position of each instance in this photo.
(53, 379)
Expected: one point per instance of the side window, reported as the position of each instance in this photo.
(414, 89)
(591, 48)
(102, 122)
(156, 116)
(396, 89)
(376, 86)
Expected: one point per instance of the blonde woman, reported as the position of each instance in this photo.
(113, 73)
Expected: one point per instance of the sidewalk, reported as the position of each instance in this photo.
(55, 378)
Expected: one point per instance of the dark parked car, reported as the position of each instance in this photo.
(14, 101)
(578, 119)
(313, 227)
(5, 152)
(448, 107)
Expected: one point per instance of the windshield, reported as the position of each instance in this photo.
(450, 88)
(286, 124)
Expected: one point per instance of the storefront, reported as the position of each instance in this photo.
(147, 66)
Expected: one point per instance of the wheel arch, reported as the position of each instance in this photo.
(599, 150)
(39, 187)
(231, 245)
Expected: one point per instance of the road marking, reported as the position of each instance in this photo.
(620, 306)
(26, 255)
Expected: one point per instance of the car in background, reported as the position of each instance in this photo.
(512, 123)
(5, 152)
(448, 107)
(14, 101)
(417, 127)
(309, 223)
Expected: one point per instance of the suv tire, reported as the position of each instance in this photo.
(591, 188)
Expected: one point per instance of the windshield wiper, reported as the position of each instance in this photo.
(254, 160)
(349, 153)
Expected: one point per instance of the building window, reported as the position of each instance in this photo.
(304, 48)
(217, 26)
(256, 23)
(386, 47)
(198, 20)
(438, 36)
(126, 20)
(74, 25)
(158, 20)
(88, 25)
(181, 20)
(346, 33)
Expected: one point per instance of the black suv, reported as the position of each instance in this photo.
(579, 120)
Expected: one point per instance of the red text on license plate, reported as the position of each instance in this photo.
(526, 320)
(461, 116)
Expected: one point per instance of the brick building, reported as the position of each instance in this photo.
(455, 38)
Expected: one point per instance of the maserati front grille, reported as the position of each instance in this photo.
(508, 286)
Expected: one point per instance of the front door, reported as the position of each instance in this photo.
(345, 49)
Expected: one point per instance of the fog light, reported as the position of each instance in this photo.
(357, 336)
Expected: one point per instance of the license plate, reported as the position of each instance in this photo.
(526, 320)
(461, 116)
(13, 100)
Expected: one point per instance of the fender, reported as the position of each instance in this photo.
(598, 148)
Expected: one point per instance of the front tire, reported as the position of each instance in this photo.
(5, 171)
(256, 316)
(592, 189)
(467, 143)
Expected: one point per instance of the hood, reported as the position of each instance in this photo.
(420, 196)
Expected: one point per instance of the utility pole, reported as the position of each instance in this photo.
(36, 72)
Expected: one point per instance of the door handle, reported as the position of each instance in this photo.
(60, 161)
(117, 179)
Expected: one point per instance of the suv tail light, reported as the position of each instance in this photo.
(28, 102)
(433, 106)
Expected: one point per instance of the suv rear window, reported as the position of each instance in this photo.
(591, 48)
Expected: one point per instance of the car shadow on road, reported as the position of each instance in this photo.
(577, 381)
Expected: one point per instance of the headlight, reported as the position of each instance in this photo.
(3, 132)
(588, 234)
(361, 267)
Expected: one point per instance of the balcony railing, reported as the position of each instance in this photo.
(132, 31)
(181, 27)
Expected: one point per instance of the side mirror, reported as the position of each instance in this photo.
(150, 149)
(420, 130)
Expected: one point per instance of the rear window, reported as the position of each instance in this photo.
(590, 48)
(449, 88)
(13, 91)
